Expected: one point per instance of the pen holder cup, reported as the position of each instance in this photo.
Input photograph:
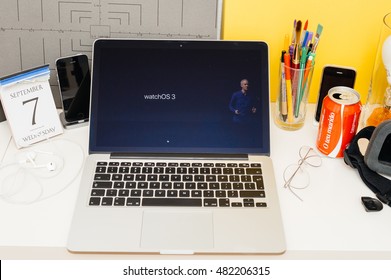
(291, 105)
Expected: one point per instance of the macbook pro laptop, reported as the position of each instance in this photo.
(179, 147)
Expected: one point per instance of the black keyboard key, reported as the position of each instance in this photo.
(176, 178)
(158, 170)
(98, 192)
(164, 177)
(100, 169)
(245, 178)
(112, 169)
(123, 170)
(224, 202)
(94, 201)
(160, 193)
(179, 185)
(142, 185)
(221, 194)
(252, 193)
(116, 177)
(216, 171)
(249, 186)
(107, 201)
(119, 201)
(172, 193)
(102, 185)
(130, 185)
(193, 170)
(133, 201)
(172, 202)
(101, 163)
(166, 185)
(248, 202)
(211, 178)
(135, 193)
(141, 177)
(147, 170)
(154, 185)
(119, 185)
(111, 192)
(152, 177)
(261, 204)
(205, 170)
(196, 193)
(232, 194)
(190, 186)
(236, 204)
(199, 178)
(135, 170)
(237, 186)
(181, 170)
(184, 193)
(253, 171)
(239, 171)
(123, 193)
(128, 177)
(228, 171)
(258, 182)
(222, 178)
(102, 177)
(188, 178)
(147, 192)
(210, 202)
(209, 194)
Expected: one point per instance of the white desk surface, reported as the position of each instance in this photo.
(330, 223)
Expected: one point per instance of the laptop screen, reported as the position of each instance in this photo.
(167, 96)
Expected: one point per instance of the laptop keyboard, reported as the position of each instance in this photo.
(178, 184)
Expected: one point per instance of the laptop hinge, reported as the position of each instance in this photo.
(178, 156)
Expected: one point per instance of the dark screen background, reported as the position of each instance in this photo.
(147, 98)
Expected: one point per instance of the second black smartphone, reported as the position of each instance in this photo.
(334, 76)
(74, 78)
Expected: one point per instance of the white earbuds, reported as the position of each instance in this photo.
(51, 166)
(30, 157)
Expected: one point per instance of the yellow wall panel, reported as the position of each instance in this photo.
(351, 30)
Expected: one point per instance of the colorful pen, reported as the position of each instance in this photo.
(300, 90)
(287, 61)
(283, 104)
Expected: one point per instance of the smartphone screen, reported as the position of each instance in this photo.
(74, 79)
(333, 76)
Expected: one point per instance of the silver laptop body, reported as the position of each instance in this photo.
(162, 106)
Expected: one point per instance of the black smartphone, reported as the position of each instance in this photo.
(334, 76)
(74, 79)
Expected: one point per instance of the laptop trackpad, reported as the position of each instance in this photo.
(171, 230)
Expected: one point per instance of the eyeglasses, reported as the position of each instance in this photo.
(295, 176)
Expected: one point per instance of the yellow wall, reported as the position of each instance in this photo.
(351, 30)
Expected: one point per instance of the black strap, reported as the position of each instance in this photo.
(353, 157)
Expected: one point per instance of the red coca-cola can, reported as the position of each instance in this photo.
(338, 121)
